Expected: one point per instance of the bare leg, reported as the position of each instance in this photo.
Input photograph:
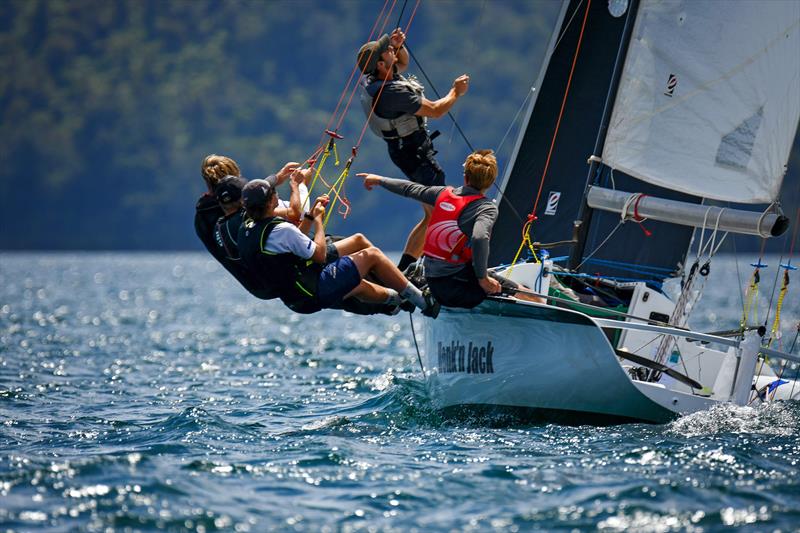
(416, 239)
(373, 260)
(369, 292)
(352, 244)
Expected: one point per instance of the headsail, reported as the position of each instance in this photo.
(709, 99)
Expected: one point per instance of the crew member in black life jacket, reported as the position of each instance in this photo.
(400, 115)
(456, 251)
(226, 234)
(208, 211)
(285, 258)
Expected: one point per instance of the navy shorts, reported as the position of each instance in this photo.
(336, 280)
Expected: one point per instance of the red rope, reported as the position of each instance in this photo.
(369, 57)
(561, 112)
(380, 91)
(323, 140)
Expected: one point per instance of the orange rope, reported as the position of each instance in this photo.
(369, 57)
(353, 72)
(380, 91)
(561, 112)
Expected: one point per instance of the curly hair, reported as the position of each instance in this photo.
(215, 167)
(480, 169)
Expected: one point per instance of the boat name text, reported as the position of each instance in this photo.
(467, 358)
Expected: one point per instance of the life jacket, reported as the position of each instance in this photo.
(226, 233)
(390, 128)
(444, 239)
(293, 278)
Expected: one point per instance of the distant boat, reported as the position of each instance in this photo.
(673, 103)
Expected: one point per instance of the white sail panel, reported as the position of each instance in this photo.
(709, 99)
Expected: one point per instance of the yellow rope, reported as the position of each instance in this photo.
(336, 190)
(752, 294)
(776, 324)
(526, 240)
(330, 146)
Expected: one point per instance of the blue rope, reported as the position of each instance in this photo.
(639, 269)
(654, 283)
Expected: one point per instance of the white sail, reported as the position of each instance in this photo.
(709, 99)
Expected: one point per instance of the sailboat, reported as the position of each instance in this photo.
(686, 112)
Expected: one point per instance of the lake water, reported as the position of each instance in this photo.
(143, 392)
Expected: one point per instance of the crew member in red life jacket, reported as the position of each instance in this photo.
(456, 247)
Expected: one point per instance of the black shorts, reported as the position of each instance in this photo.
(462, 289)
(415, 157)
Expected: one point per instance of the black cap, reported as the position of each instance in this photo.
(256, 193)
(229, 189)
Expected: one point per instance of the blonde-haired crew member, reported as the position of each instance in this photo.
(456, 247)
(208, 211)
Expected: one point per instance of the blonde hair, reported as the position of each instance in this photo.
(215, 167)
(480, 169)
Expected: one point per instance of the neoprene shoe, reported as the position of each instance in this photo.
(432, 307)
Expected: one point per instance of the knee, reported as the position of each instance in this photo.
(374, 253)
(362, 240)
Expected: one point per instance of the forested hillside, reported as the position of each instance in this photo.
(109, 106)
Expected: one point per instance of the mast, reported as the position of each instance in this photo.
(585, 213)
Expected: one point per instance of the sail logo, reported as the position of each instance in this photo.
(672, 82)
(469, 358)
(552, 203)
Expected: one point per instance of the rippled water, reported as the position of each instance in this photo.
(142, 392)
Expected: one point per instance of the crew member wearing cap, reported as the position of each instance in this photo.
(285, 258)
(400, 115)
(226, 233)
(457, 241)
(208, 211)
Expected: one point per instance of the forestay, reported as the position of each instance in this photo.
(709, 99)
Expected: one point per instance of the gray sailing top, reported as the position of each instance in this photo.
(476, 221)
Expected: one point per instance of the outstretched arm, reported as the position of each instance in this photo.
(440, 107)
(421, 193)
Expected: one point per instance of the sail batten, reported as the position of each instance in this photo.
(709, 100)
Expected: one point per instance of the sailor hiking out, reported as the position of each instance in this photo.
(398, 111)
(456, 249)
(221, 236)
(281, 256)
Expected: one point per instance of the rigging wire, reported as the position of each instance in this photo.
(414, 336)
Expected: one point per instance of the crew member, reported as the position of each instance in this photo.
(457, 240)
(285, 258)
(400, 115)
(209, 211)
(226, 234)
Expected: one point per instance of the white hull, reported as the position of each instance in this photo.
(506, 353)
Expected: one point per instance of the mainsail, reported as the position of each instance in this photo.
(709, 99)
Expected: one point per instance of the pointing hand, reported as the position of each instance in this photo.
(370, 180)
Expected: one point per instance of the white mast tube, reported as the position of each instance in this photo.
(685, 214)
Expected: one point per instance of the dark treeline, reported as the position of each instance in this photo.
(108, 106)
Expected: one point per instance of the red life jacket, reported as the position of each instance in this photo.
(443, 238)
